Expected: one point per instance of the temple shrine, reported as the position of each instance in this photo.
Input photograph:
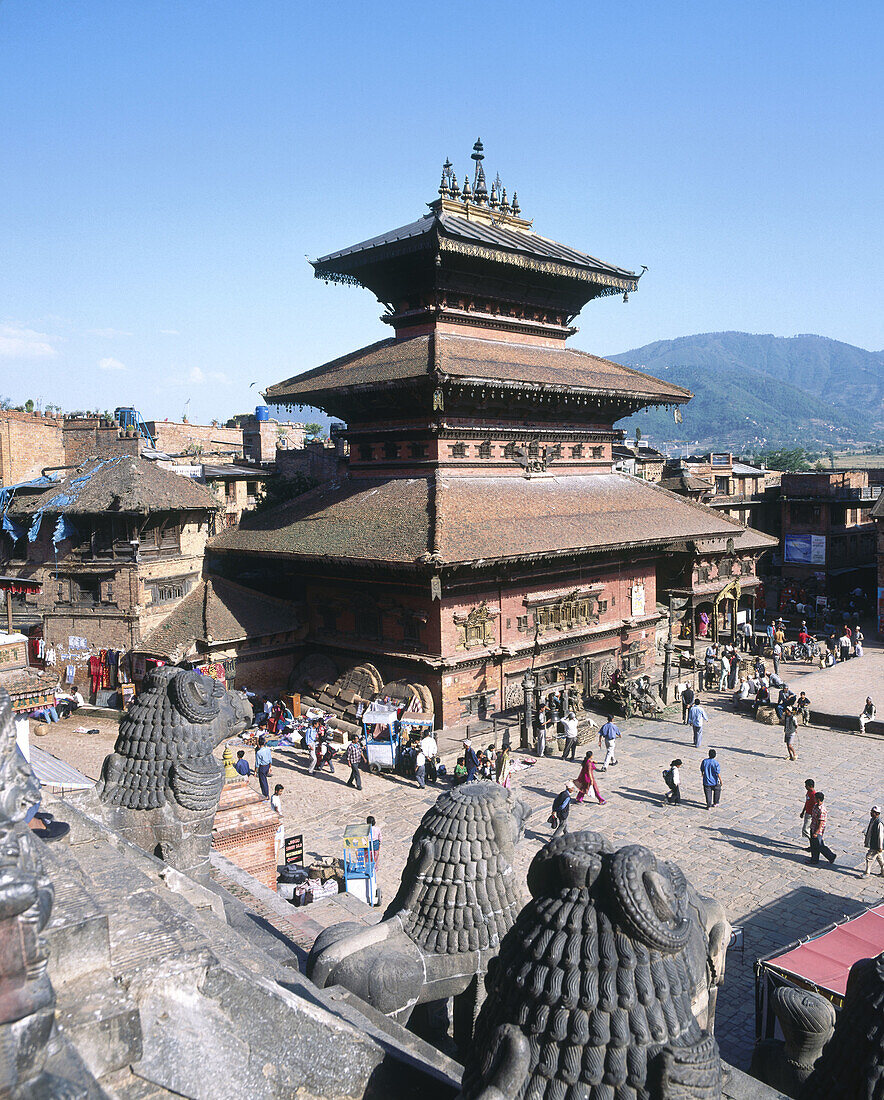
(479, 530)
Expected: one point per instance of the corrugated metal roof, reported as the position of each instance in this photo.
(501, 237)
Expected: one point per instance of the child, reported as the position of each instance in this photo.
(460, 770)
(242, 765)
(672, 778)
(807, 809)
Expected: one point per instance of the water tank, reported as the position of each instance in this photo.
(262, 412)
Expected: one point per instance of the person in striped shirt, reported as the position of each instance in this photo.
(818, 830)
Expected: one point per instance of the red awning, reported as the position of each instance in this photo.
(826, 960)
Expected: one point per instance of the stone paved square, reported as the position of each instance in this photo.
(748, 852)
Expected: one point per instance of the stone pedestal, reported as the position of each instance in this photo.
(244, 830)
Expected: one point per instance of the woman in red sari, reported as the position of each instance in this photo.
(586, 779)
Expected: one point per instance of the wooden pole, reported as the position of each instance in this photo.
(8, 595)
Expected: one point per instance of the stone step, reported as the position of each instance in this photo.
(101, 1020)
(78, 930)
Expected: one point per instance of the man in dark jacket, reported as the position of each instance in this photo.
(561, 807)
(874, 842)
(687, 701)
(471, 760)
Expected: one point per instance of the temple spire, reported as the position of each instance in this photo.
(479, 186)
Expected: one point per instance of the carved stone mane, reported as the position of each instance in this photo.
(161, 784)
(591, 994)
(458, 891)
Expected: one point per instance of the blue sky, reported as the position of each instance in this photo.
(166, 166)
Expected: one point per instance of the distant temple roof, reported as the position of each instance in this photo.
(121, 484)
(389, 521)
(461, 358)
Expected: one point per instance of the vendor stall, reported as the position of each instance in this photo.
(819, 963)
(360, 864)
(382, 737)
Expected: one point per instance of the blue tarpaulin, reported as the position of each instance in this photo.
(64, 529)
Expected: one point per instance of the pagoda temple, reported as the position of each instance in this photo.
(479, 530)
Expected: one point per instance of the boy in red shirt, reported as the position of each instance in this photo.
(807, 809)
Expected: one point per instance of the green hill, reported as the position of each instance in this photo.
(754, 391)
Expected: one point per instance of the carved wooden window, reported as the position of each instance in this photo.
(329, 619)
(418, 450)
(534, 449)
(368, 623)
(522, 622)
(476, 628)
(485, 449)
(391, 450)
(746, 567)
(411, 629)
(702, 574)
(598, 452)
(603, 606)
(509, 450)
(577, 451)
(458, 450)
(567, 614)
(366, 452)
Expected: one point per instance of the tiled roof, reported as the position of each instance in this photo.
(361, 520)
(688, 483)
(475, 518)
(464, 357)
(877, 511)
(747, 539)
(219, 611)
(121, 484)
(501, 238)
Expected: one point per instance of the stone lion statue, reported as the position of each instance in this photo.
(457, 900)
(591, 994)
(161, 785)
(27, 999)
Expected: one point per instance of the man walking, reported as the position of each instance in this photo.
(696, 717)
(310, 742)
(561, 807)
(777, 654)
(818, 831)
(569, 730)
(355, 756)
(874, 841)
(420, 768)
(807, 810)
(263, 762)
(471, 760)
(609, 734)
(687, 699)
(710, 770)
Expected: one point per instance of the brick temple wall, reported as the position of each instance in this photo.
(29, 443)
(244, 830)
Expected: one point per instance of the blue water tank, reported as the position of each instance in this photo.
(262, 412)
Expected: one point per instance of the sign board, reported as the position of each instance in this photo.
(127, 694)
(294, 849)
(805, 549)
(638, 600)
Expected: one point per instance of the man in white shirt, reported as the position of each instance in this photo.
(420, 768)
(430, 750)
(67, 703)
(569, 730)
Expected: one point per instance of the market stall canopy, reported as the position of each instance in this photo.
(825, 961)
(57, 774)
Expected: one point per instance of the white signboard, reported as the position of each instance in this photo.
(638, 600)
(805, 549)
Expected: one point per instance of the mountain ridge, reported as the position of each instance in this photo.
(827, 392)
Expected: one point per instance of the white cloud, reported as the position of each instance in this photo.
(24, 343)
(109, 363)
(170, 332)
(197, 376)
(106, 333)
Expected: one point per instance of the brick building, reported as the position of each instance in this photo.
(29, 443)
(88, 437)
(877, 514)
(480, 531)
(829, 531)
(117, 544)
(263, 438)
(209, 441)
